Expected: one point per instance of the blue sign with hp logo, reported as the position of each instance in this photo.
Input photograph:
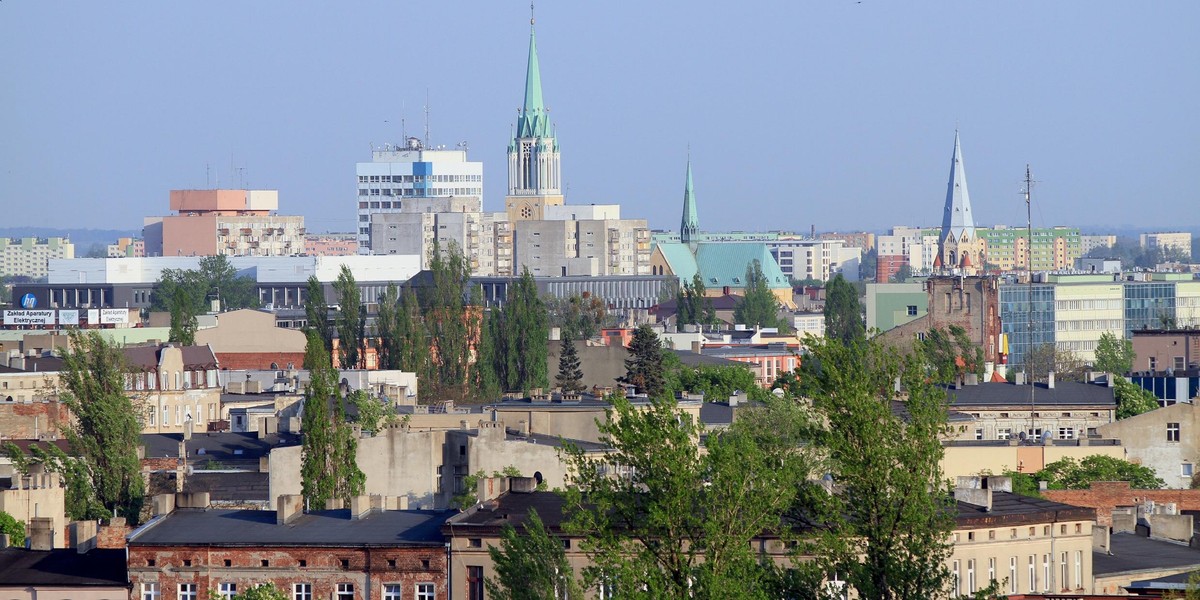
(28, 301)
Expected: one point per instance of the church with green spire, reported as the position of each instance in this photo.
(720, 262)
(534, 170)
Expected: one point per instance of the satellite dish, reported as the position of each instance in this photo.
(1021, 436)
(1045, 437)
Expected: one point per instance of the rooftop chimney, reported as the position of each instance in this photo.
(41, 534)
(289, 506)
(1050, 380)
(83, 535)
(360, 506)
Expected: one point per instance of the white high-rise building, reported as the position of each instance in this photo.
(397, 174)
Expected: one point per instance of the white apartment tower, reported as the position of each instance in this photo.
(397, 175)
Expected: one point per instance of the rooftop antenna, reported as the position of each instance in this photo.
(531, 14)
(426, 117)
(207, 176)
(1029, 292)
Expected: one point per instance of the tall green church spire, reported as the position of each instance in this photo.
(690, 224)
(534, 121)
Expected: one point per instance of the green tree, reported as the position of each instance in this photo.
(758, 307)
(215, 277)
(262, 591)
(387, 329)
(454, 326)
(351, 322)
(14, 528)
(183, 320)
(1071, 474)
(1132, 400)
(531, 565)
(570, 375)
(950, 353)
(328, 467)
(866, 266)
(580, 316)
(904, 273)
(1114, 355)
(413, 340)
(1039, 361)
(680, 522)
(80, 496)
(718, 383)
(105, 432)
(843, 313)
(644, 367)
(693, 304)
(519, 334)
(887, 528)
(316, 310)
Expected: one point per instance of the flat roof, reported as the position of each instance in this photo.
(1130, 552)
(63, 567)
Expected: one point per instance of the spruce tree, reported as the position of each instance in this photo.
(570, 375)
(644, 367)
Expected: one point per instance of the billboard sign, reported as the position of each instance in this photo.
(28, 317)
(68, 317)
(28, 301)
(114, 316)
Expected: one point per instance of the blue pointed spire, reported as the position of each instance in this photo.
(534, 121)
(957, 219)
(690, 224)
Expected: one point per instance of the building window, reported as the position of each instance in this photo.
(1063, 572)
(302, 591)
(991, 570)
(150, 591)
(1172, 432)
(474, 583)
(912, 310)
(1012, 574)
(187, 591)
(1078, 568)
(345, 591)
(391, 591)
(425, 591)
(1004, 434)
(1066, 433)
(226, 590)
(971, 576)
(957, 579)
(1185, 470)
(1045, 572)
(1032, 573)
(979, 433)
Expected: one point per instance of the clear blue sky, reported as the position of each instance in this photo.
(834, 113)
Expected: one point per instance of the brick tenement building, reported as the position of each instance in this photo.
(361, 553)
(1104, 496)
(971, 302)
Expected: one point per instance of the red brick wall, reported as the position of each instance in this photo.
(160, 464)
(21, 420)
(259, 360)
(323, 569)
(1104, 496)
(113, 535)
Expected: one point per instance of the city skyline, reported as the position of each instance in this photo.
(839, 115)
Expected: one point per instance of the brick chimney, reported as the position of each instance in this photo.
(112, 536)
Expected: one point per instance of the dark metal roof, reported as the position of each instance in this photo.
(230, 487)
(216, 445)
(1015, 509)
(509, 509)
(1131, 552)
(1064, 393)
(209, 527)
(63, 567)
(716, 413)
(691, 359)
(37, 364)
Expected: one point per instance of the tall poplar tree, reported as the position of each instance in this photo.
(454, 327)
(843, 313)
(758, 307)
(316, 310)
(328, 467)
(351, 322)
(519, 335)
(105, 432)
(386, 329)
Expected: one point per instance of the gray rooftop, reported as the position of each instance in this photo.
(220, 446)
(62, 567)
(209, 527)
(1011, 509)
(1064, 393)
(1131, 552)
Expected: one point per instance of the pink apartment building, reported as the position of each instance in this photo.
(228, 222)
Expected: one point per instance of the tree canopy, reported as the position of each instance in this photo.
(1132, 400)
(644, 367)
(1114, 354)
(843, 312)
(14, 528)
(950, 354)
(328, 459)
(531, 565)
(693, 306)
(758, 307)
(519, 334)
(1071, 474)
(214, 278)
(351, 321)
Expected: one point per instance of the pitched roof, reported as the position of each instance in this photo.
(511, 509)
(1064, 393)
(690, 223)
(724, 264)
(63, 567)
(209, 527)
(533, 122)
(222, 446)
(146, 358)
(679, 256)
(1010, 509)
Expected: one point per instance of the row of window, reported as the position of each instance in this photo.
(422, 192)
(969, 585)
(419, 178)
(304, 591)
